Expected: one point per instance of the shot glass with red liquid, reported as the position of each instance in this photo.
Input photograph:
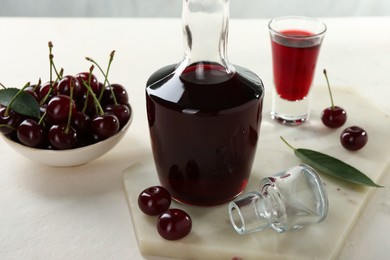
(296, 43)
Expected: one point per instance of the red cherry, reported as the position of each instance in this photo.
(65, 84)
(5, 126)
(81, 122)
(93, 82)
(87, 101)
(154, 200)
(122, 112)
(10, 121)
(120, 93)
(353, 138)
(174, 224)
(30, 133)
(334, 117)
(45, 89)
(62, 137)
(105, 126)
(33, 91)
(57, 110)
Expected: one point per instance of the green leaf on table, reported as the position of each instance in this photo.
(332, 166)
(23, 103)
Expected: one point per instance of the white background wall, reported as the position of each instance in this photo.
(172, 8)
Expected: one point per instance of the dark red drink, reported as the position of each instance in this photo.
(204, 126)
(294, 62)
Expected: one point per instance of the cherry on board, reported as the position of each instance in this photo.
(353, 138)
(174, 224)
(154, 200)
(333, 116)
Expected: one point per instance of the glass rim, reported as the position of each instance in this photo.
(307, 18)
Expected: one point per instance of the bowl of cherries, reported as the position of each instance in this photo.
(68, 121)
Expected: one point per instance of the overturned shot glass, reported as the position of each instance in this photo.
(289, 200)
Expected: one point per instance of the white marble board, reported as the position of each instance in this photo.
(212, 236)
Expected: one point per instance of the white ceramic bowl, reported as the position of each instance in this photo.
(70, 157)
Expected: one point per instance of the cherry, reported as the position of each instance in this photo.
(154, 200)
(62, 136)
(120, 93)
(64, 85)
(9, 120)
(46, 91)
(104, 126)
(30, 133)
(57, 110)
(174, 224)
(70, 111)
(334, 116)
(81, 122)
(33, 91)
(5, 122)
(353, 138)
(89, 79)
(122, 112)
(86, 104)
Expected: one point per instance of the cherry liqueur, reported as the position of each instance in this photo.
(204, 113)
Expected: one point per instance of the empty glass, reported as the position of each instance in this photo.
(289, 200)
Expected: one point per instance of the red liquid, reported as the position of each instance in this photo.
(294, 62)
(203, 137)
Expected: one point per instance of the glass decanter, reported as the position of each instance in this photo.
(204, 114)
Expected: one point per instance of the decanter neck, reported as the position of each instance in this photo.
(205, 30)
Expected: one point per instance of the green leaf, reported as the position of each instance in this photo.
(332, 166)
(23, 103)
(7, 94)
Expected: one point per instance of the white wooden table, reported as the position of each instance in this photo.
(81, 213)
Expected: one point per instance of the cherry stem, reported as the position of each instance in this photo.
(289, 145)
(1, 85)
(89, 84)
(51, 64)
(59, 74)
(330, 91)
(70, 108)
(42, 118)
(85, 103)
(105, 74)
(97, 103)
(51, 88)
(101, 70)
(8, 126)
(90, 91)
(6, 113)
(37, 85)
